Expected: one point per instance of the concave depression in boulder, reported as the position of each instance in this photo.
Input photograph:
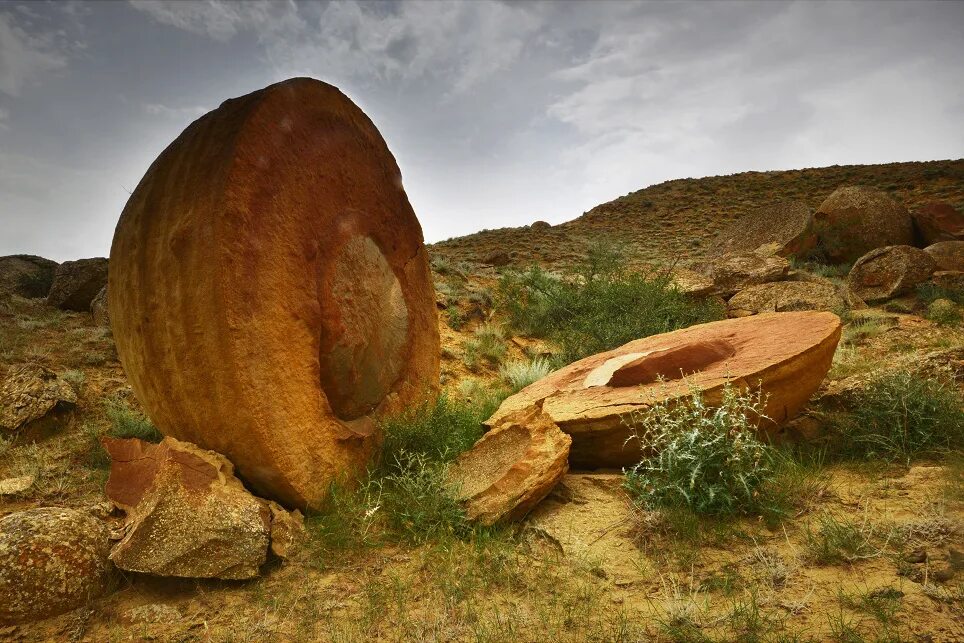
(787, 355)
(270, 293)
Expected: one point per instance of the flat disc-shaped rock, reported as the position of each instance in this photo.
(785, 354)
(270, 293)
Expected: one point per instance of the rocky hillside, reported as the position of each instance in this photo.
(683, 217)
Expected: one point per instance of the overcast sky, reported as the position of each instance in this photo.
(499, 114)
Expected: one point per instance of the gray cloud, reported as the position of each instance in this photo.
(499, 113)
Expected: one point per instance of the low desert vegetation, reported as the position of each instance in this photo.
(944, 312)
(519, 374)
(487, 343)
(128, 422)
(598, 305)
(929, 292)
(902, 416)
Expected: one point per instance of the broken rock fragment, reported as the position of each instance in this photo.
(511, 468)
(787, 355)
(188, 515)
(33, 398)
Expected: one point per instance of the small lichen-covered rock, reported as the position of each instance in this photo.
(785, 355)
(854, 220)
(34, 399)
(284, 275)
(26, 275)
(948, 255)
(52, 560)
(76, 283)
(788, 224)
(189, 517)
(511, 468)
(732, 273)
(938, 221)
(887, 272)
(785, 296)
(98, 309)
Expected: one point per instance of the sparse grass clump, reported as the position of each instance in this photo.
(899, 416)
(487, 342)
(836, 541)
(708, 460)
(598, 306)
(520, 374)
(128, 422)
(929, 292)
(944, 312)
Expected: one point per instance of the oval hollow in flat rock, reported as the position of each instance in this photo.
(785, 354)
(511, 468)
(269, 290)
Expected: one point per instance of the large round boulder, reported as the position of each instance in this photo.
(788, 224)
(948, 255)
(26, 275)
(76, 283)
(785, 296)
(888, 272)
(785, 355)
(52, 560)
(856, 219)
(938, 221)
(270, 292)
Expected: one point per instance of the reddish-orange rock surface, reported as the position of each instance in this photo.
(270, 293)
(787, 354)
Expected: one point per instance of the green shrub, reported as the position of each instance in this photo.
(899, 416)
(944, 312)
(127, 422)
(929, 292)
(487, 342)
(838, 541)
(437, 431)
(455, 319)
(520, 374)
(708, 460)
(598, 306)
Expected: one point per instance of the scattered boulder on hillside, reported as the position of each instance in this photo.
(325, 302)
(885, 273)
(497, 258)
(511, 468)
(691, 282)
(540, 225)
(52, 560)
(949, 279)
(786, 354)
(938, 221)
(789, 224)
(34, 399)
(98, 309)
(76, 283)
(732, 273)
(856, 219)
(785, 296)
(189, 516)
(948, 255)
(26, 275)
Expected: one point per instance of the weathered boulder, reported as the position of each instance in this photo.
(188, 515)
(888, 272)
(162, 485)
(787, 355)
(274, 251)
(76, 283)
(732, 273)
(511, 468)
(785, 296)
(938, 221)
(26, 275)
(540, 225)
(948, 255)
(948, 279)
(33, 398)
(788, 224)
(497, 258)
(52, 560)
(98, 308)
(691, 282)
(854, 220)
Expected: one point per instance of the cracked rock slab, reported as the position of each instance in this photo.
(33, 397)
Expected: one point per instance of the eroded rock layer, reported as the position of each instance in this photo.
(785, 354)
(270, 293)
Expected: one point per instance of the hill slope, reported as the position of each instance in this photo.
(683, 217)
